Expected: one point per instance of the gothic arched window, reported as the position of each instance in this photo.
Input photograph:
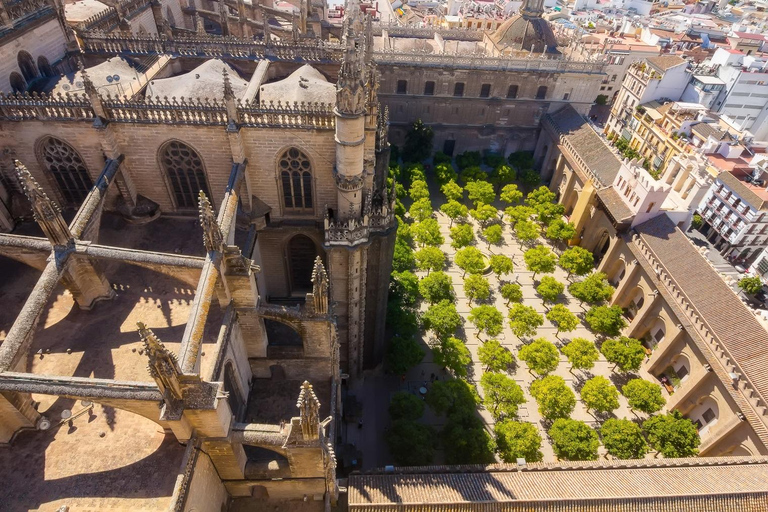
(26, 65)
(67, 168)
(296, 180)
(44, 66)
(186, 175)
(17, 82)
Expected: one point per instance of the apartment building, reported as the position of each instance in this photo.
(743, 102)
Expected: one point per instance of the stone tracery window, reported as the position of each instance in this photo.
(185, 173)
(296, 180)
(67, 168)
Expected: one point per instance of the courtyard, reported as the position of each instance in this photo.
(379, 387)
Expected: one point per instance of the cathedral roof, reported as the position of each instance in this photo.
(103, 77)
(205, 81)
(305, 84)
(523, 32)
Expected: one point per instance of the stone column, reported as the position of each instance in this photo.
(636, 326)
(629, 277)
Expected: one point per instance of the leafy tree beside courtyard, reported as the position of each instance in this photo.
(511, 292)
(418, 142)
(554, 397)
(430, 258)
(515, 439)
(462, 236)
(502, 395)
(442, 318)
(427, 232)
(626, 354)
(436, 287)
(492, 235)
(404, 353)
(483, 213)
(476, 287)
(600, 395)
(421, 209)
(623, 439)
(562, 318)
(501, 265)
(454, 210)
(608, 320)
(672, 435)
(581, 353)
(526, 232)
(406, 406)
(643, 396)
(411, 443)
(480, 192)
(470, 260)
(593, 290)
(751, 285)
(577, 260)
(573, 440)
(560, 231)
(451, 353)
(494, 357)
(539, 259)
(518, 213)
(524, 320)
(540, 355)
(541, 195)
(419, 190)
(486, 319)
(444, 172)
(405, 285)
(452, 191)
(549, 289)
(510, 194)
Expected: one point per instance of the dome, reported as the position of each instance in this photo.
(525, 33)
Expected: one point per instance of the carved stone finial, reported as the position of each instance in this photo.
(350, 87)
(309, 412)
(46, 212)
(228, 92)
(199, 26)
(212, 237)
(162, 366)
(87, 84)
(320, 287)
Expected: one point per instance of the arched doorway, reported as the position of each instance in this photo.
(17, 82)
(26, 65)
(185, 172)
(603, 243)
(301, 260)
(67, 168)
(44, 66)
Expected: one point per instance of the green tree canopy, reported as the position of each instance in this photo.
(444, 172)
(623, 439)
(421, 209)
(521, 160)
(529, 178)
(435, 287)
(540, 196)
(483, 213)
(476, 287)
(573, 440)
(626, 354)
(554, 397)
(526, 231)
(411, 443)
(510, 194)
(502, 395)
(560, 230)
(405, 285)
(503, 174)
(518, 213)
(427, 232)
(487, 319)
(406, 406)
(403, 354)
(492, 234)
(451, 353)
(403, 258)
(607, 320)
(495, 357)
(672, 435)
(540, 259)
(564, 320)
(473, 173)
(577, 260)
(600, 395)
(751, 285)
(470, 259)
(512, 292)
(454, 210)
(593, 290)
(442, 318)
(466, 441)
(549, 288)
(581, 353)
(540, 355)
(643, 395)
(515, 439)
(419, 190)
(418, 142)
(452, 191)
(462, 236)
(548, 212)
(469, 159)
(501, 265)
(454, 397)
(480, 192)
(524, 320)
(430, 258)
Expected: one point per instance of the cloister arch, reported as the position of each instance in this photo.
(185, 172)
(65, 165)
(26, 65)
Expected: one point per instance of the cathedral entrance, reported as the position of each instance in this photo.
(67, 168)
(185, 172)
(301, 260)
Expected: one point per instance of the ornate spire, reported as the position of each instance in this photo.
(199, 26)
(87, 84)
(309, 412)
(46, 212)
(320, 287)
(350, 87)
(228, 92)
(162, 366)
(212, 237)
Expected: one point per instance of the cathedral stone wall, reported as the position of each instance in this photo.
(145, 21)
(206, 491)
(47, 39)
